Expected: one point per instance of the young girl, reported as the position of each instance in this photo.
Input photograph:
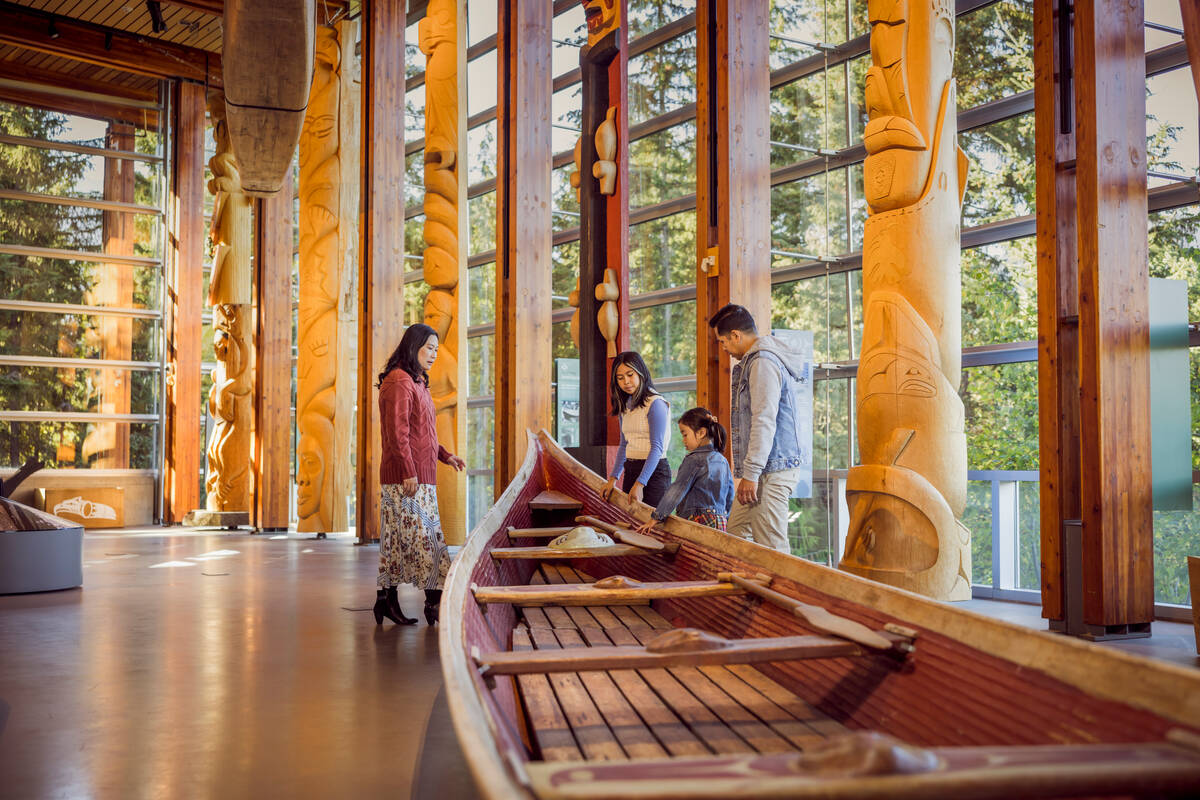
(645, 431)
(704, 489)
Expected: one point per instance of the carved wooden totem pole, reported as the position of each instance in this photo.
(444, 256)
(231, 397)
(908, 494)
(322, 456)
(601, 176)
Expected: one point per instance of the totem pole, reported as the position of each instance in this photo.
(322, 457)
(908, 494)
(601, 176)
(231, 397)
(444, 255)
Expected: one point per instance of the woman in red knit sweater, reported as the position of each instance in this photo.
(411, 547)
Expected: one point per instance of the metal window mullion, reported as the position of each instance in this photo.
(73, 308)
(71, 147)
(82, 202)
(58, 362)
(73, 416)
(34, 251)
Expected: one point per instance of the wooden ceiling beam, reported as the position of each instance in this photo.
(217, 7)
(110, 48)
(138, 117)
(19, 71)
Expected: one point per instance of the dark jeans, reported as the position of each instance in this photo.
(660, 479)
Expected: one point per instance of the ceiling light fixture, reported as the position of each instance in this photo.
(51, 30)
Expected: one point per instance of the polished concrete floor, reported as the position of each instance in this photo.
(199, 665)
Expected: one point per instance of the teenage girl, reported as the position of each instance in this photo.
(645, 431)
(703, 491)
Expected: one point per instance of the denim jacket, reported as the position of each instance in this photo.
(769, 440)
(703, 484)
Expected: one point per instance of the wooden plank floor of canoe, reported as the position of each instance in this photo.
(650, 713)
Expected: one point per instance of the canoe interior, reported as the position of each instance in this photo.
(945, 694)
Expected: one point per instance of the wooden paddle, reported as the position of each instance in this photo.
(623, 535)
(818, 618)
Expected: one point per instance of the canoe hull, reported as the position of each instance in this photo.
(971, 682)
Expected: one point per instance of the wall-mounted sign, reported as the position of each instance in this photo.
(92, 507)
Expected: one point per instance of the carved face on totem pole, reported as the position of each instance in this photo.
(603, 16)
(439, 312)
(313, 478)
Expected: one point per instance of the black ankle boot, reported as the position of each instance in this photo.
(386, 605)
(433, 599)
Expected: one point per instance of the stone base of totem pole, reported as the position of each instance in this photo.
(202, 518)
(1072, 623)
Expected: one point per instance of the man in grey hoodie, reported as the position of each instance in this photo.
(768, 455)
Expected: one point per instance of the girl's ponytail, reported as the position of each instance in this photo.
(701, 419)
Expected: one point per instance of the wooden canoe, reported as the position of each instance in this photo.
(718, 668)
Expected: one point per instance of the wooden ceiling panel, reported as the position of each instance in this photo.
(185, 26)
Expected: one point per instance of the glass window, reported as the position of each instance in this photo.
(482, 222)
(818, 305)
(566, 203)
(414, 178)
(999, 293)
(414, 302)
(1001, 409)
(662, 166)
(481, 20)
(481, 353)
(662, 253)
(662, 79)
(481, 83)
(680, 402)
(666, 337)
(807, 115)
(1172, 147)
(414, 112)
(481, 300)
(567, 107)
(414, 242)
(810, 218)
(565, 266)
(481, 150)
(1001, 180)
(77, 445)
(993, 52)
(570, 35)
(650, 15)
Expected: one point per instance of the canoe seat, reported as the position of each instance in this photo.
(606, 551)
(645, 712)
(550, 500)
(616, 590)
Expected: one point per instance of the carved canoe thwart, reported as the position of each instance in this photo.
(725, 669)
(267, 56)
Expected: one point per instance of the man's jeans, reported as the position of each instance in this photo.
(766, 521)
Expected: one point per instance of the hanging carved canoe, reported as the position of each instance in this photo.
(268, 63)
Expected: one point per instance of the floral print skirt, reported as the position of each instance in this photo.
(411, 546)
(710, 518)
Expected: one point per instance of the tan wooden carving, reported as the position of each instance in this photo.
(322, 457)
(907, 496)
(607, 317)
(576, 175)
(573, 301)
(230, 399)
(267, 67)
(438, 33)
(605, 168)
(603, 17)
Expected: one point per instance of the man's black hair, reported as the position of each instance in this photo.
(732, 318)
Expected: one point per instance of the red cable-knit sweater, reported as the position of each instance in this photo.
(410, 445)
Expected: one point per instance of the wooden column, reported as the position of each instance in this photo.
(1189, 10)
(381, 277)
(733, 186)
(523, 352)
(1093, 317)
(273, 351)
(185, 250)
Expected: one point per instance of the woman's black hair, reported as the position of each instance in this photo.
(645, 391)
(700, 419)
(405, 355)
